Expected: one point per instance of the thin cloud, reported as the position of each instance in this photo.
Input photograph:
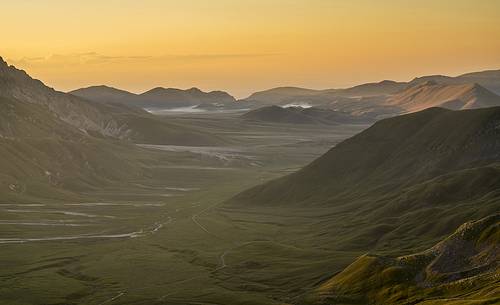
(89, 58)
(221, 56)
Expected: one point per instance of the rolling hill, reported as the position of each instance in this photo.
(157, 98)
(299, 115)
(106, 94)
(461, 269)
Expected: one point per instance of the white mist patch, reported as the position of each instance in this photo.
(189, 109)
(194, 110)
(301, 105)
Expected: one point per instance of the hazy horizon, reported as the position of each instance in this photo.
(249, 91)
(249, 45)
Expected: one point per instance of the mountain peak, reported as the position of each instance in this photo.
(156, 89)
(194, 89)
(387, 82)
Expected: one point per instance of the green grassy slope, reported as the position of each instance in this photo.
(399, 186)
(396, 152)
(463, 268)
(45, 157)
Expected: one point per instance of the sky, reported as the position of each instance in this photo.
(246, 45)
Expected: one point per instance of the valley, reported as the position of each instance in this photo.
(250, 152)
(102, 202)
(167, 221)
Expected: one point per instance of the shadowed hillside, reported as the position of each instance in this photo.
(394, 152)
(45, 157)
(299, 115)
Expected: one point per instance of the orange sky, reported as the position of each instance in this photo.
(243, 46)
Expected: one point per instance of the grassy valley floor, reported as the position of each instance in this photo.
(165, 238)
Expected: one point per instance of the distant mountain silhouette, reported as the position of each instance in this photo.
(489, 79)
(160, 98)
(434, 94)
(381, 99)
(105, 94)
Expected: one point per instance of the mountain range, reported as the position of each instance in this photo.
(398, 98)
(377, 100)
(157, 98)
(487, 79)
